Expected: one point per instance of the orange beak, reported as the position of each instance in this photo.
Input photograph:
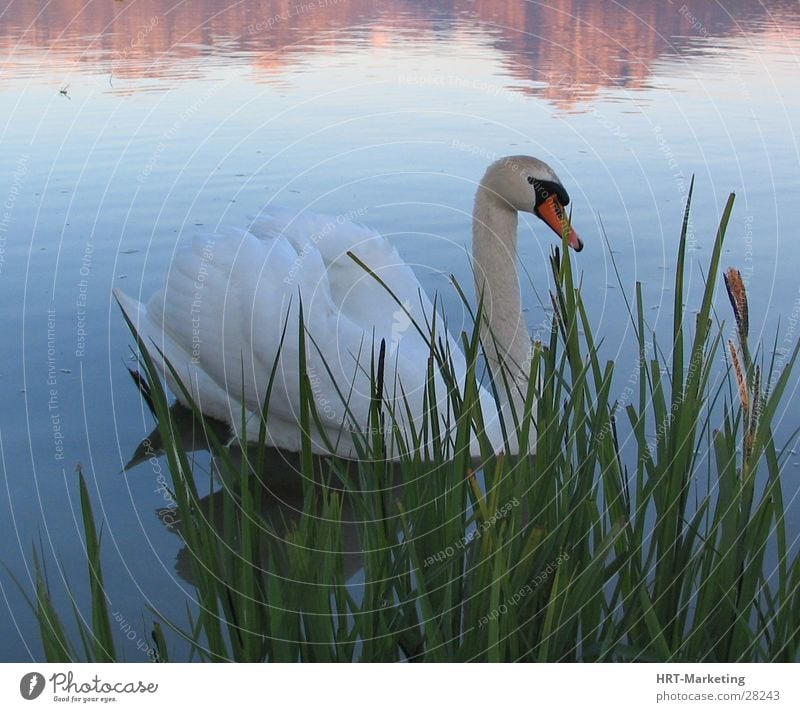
(552, 212)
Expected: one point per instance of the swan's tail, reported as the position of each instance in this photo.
(159, 347)
(134, 310)
(136, 313)
(206, 394)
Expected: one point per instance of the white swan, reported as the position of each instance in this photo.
(228, 298)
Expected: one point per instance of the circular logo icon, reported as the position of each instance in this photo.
(31, 685)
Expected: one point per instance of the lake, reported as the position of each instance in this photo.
(128, 125)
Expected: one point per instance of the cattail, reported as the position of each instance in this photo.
(738, 297)
(744, 395)
(755, 413)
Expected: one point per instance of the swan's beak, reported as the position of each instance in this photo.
(552, 212)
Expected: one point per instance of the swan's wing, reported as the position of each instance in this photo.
(221, 315)
(354, 290)
(230, 297)
(395, 309)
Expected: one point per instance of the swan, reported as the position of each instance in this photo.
(229, 314)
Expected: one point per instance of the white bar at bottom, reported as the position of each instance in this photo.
(401, 687)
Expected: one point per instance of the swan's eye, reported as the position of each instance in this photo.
(543, 189)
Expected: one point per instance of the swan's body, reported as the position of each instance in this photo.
(232, 303)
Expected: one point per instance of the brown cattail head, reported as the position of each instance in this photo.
(741, 381)
(738, 296)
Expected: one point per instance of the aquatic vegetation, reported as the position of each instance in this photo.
(646, 530)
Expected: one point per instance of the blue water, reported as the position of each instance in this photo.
(125, 126)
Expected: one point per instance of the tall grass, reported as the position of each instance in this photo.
(636, 531)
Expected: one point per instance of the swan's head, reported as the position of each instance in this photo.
(530, 185)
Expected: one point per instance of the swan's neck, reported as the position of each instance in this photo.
(503, 330)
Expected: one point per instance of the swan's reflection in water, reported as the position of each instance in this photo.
(282, 494)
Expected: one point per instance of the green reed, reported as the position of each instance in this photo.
(636, 531)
